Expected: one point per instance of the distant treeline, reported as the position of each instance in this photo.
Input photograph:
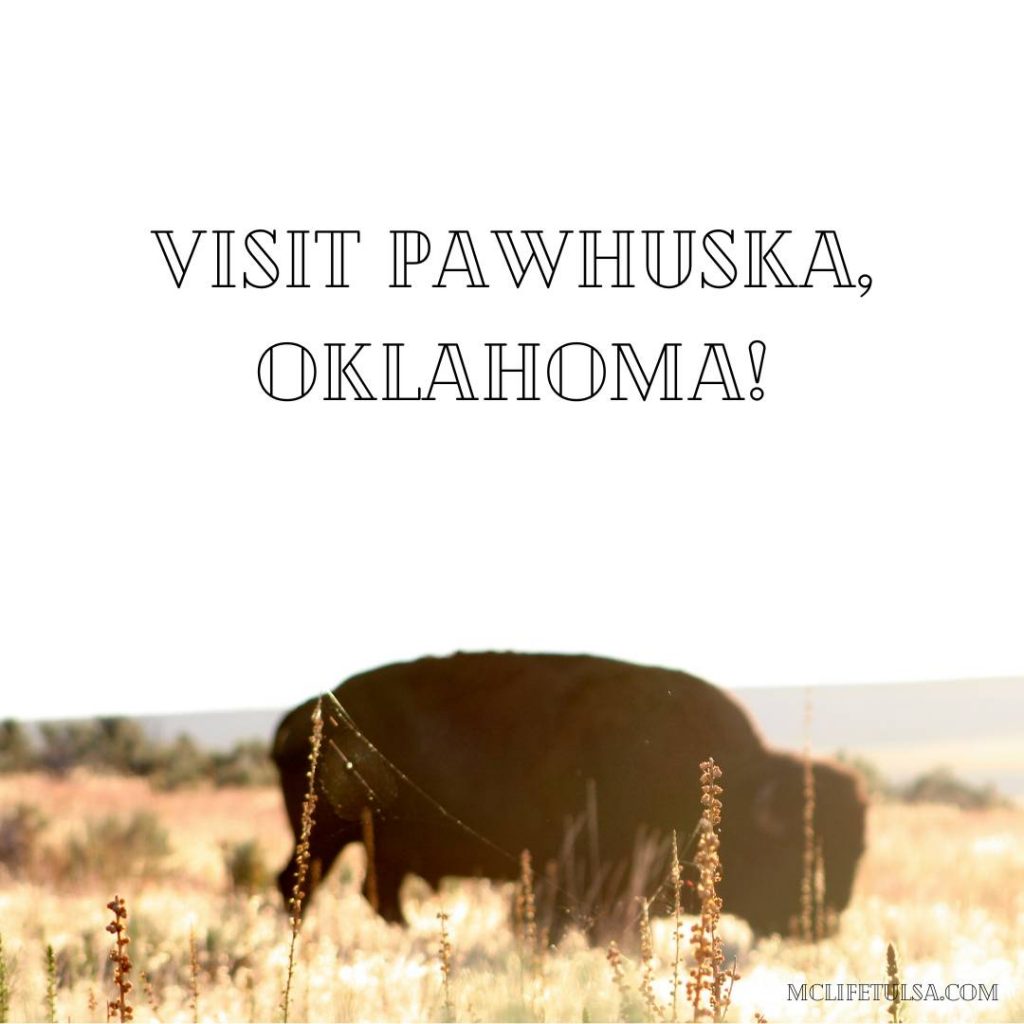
(121, 746)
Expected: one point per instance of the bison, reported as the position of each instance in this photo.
(465, 760)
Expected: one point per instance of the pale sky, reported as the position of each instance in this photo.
(175, 540)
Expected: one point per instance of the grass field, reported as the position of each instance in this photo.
(945, 886)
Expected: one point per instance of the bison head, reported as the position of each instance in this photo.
(763, 846)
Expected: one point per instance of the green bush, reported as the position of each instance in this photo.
(246, 866)
(16, 751)
(941, 786)
(106, 744)
(180, 764)
(247, 764)
(20, 832)
(65, 745)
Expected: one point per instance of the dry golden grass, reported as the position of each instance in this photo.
(945, 887)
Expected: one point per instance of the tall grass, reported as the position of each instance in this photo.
(807, 915)
(444, 955)
(193, 973)
(5, 991)
(530, 948)
(616, 962)
(302, 854)
(151, 998)
(709, 988)
(677, 926)
(654, 1011)
(51, 985)
(892, 973)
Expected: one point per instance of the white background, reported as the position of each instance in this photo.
(173, 539)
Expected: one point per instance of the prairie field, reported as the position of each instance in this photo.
(210, 939)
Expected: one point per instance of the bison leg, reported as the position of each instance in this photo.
(328, 838)
(389, 880)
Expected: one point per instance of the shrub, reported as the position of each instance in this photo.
(20, 831)
(941, 786)
(246, 866)
(107, 744)
(121, 745)
(247, 764)
(65, 745)
(16, 751)
(180, 764)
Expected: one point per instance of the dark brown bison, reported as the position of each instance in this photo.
(466, 760)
